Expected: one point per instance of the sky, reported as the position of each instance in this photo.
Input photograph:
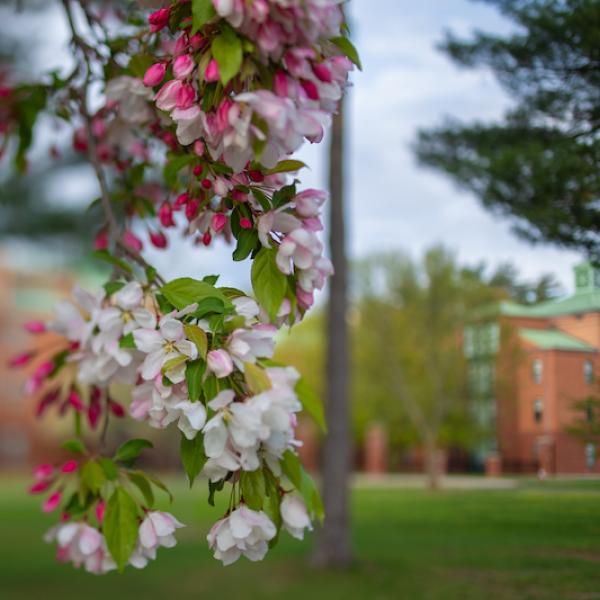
(393, 204)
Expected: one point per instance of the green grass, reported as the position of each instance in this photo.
(534, 542)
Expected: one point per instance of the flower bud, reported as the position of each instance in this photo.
(116, 409)
(196, 41)
(155, 74)
(183, 66)
(159, 19)
(218, 221)
(20, 360)
(43, 471)
(212, 71)
(35, 326)
(69, 466)
(185, 96)
(132, 241)
(166, 97)
(191, 209)
(245, 223)
(206, 238)
(52, 502)
(322, 72)
(181, 200)
(101, 240)
(165, 214)
(158, 239)
(310, 89)
(206, 183)
(220, 363)
(100, 509)
(239, 196)
(39, 487)
(181, 45)
(75, 401)
(280, 84)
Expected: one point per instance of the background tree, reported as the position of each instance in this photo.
(540, 165)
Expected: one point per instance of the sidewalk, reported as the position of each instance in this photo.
(449, 482)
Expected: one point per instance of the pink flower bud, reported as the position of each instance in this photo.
(239, 196)
(310, 88)
(181, 44)
(280, 84)
(181, 200)
(158, 239)
(191, 208)
(196, 41)
(75, 401)
(100, 509)
(98, 127)
(39, 487)
(212, 71)
(94, 411)
(19, 360)
(43, 471)
(155, 74)
(159, 19)
(245, 223)
(44, 370)
(132, 241)
(52, 502)
(206, 238)
(197, 170)
(305, 299)
(166, 97)
(80, 142)
(185, 96)
(116, 409)
(69, 466)
(101, 240)
(256, 176)
(183, 66)
(49, 399)
(206, 183)
(220, 363)
(199, 148)
(322, 72)
(165, 214)
(218, 221)
(35, 326)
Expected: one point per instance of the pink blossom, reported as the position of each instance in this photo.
(185, 96)
(280, 84)
(39, 487)
(211, 72)
(69, 466)
(322, 72)
(219, 221)
(100, 510)
(43, 471)
(35, 326)
(308, 202)
(181, 200)
(158, 239)
(132, 241)
(159, 19)
(75, 401)
(155, 74)
(183, 66)
(20, 360)
(165, 214)
(220, 363)
(52, 502)
(181, 44)
(166, 97)
(245, 223)
(101, 240)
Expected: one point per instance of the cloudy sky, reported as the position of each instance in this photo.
(406, 84)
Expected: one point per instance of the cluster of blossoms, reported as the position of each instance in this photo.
(201, 113)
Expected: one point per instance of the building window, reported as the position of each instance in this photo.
(588, 371)
(537, 369)
(590, 456)
(538, 410)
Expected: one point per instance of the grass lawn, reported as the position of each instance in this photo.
(538, 542)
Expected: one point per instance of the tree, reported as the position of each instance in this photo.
(540, 165)
(334, 545)
(411, 319)
(188, 123)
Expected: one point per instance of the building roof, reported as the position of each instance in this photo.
(552, 339)
(580, 302)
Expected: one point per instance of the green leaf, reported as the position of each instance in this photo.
(301, 480)
(172, 168)
(112, 287)
(198, 336)
(247, 241)
(110, 469)
(173, 363)
(93, 475)
(202, 12)
(32, 100)
(142, 483)
(185, 291)
(253, 488)
(268, 282)
(257, 379)
(127, 341)
(347, 47)
(120, 526)
(227, 50)
(311, 402)
(75, 446)
(286, 166)
(217, 486)
(131, 449)
(193, 377)
(210, 387)
(192, 456)
(106, 256)
(209, 306)
(159, 484)
(139, 64)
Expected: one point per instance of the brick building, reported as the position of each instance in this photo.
(528, 365)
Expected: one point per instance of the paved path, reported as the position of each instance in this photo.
(450, 482)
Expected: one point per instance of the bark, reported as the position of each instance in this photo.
(333, 544)
(432, 469)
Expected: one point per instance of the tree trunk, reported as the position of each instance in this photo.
(432, 467)
(333, 545)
